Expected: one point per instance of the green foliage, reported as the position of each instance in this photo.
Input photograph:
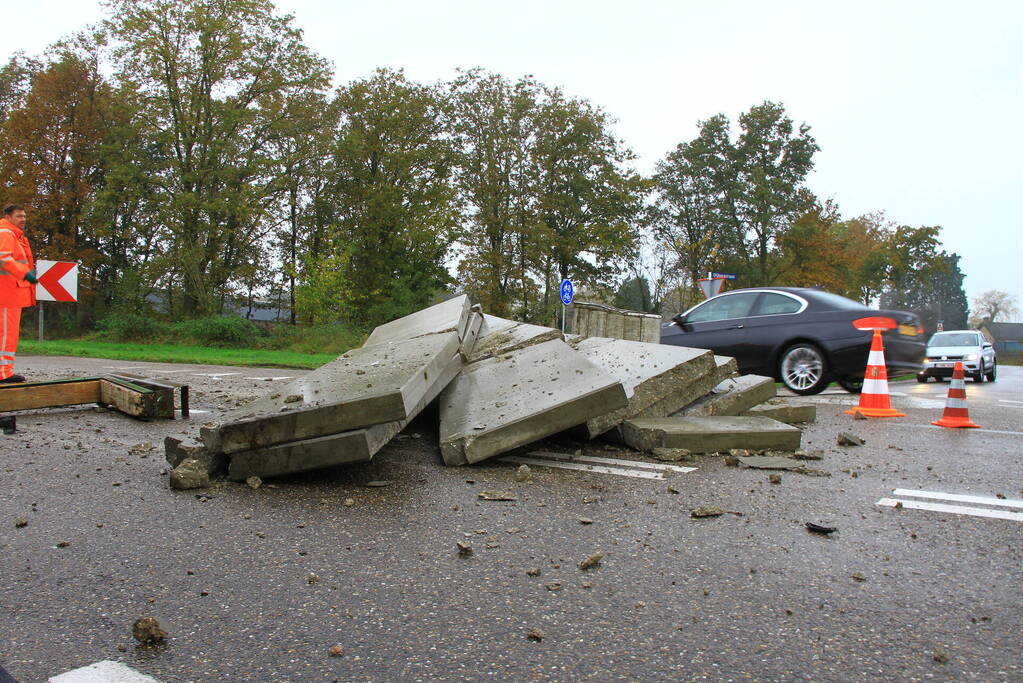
(130, 327)
(226, 332)
(634, 295)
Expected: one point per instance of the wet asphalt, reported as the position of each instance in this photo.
(260, 584)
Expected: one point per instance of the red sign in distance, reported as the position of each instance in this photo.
(58, 281)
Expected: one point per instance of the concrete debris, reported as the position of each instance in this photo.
(732, 397)
(535, 571)
(254, 482)
(649, 373)
(700, 512)
(336, 651)
(499, 385)
(785, 410)
(774, 478)
(710, 434)
(20, 523)
(511, 400)
(534, 634)
(770, 462)
(847, 439)
(189, 474)
(591, 561)
(494, 495)
(553, 586)
(147, 631)
(820, 529)
(464, 549)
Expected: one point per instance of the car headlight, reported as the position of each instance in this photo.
(970, 356)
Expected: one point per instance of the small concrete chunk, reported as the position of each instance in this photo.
(710, 434)
(178, 450)
(189, 474)
(364, 387)
(650, 373)
(447, 316)
(511, 400)
(784, 410)
(732, 396)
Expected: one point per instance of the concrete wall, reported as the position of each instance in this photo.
(590, 319)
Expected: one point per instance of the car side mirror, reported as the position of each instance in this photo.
(988, 346)
(680, 318)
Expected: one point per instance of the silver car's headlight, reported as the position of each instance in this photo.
(970, 356)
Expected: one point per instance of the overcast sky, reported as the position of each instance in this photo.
(917, 106)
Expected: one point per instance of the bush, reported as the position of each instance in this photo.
(218, 331)
(126, 327)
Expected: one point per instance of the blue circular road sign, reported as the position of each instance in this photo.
(567, 292)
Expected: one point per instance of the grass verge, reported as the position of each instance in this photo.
(169, 353)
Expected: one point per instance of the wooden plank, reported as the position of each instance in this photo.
(134, 401)
(163, 393)
(49, 394)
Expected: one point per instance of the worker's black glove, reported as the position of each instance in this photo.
(31, 277)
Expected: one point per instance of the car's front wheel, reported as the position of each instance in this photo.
(979, 375)
(922, 379)
(802, 369)
(993, 372)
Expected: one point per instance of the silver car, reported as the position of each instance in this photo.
(969, 347)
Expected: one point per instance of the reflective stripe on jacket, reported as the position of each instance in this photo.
(15, 261)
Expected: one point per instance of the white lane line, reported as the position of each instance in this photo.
(953, 509)
(1006, 400)
(960, 498)
(124, 367)
(611, 461)
(979, 431)
(103, 672)
(167, 372)
(269, 379)
(598, 469)
(215, 374)
(194, 411)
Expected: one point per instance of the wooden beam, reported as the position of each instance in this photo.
(49, 394)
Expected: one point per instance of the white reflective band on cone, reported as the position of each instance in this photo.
(876, 358)
(875, 386)
(956, 403)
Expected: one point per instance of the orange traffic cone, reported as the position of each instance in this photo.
(874, 397)
(956, 414)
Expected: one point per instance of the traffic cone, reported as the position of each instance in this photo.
(956, 414)
(874, 397)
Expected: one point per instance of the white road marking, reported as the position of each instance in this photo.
(194, 411)
(167, 372)
(214, 375)
(124, 367)
(1006, 400)
(953, 509)
(623, 468)
(960, 498)
(612, 461)
(269, 379)
(103, 672)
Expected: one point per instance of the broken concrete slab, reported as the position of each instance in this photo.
(784, 410)
(710, 434)
(471, 334)
(650, 374)
(724, 367)
(178, 450)
(365, 386)
(732, 397)
(359, 445)
(506, 401)
(500, 335)
(447, 316)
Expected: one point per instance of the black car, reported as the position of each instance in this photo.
(800, 336)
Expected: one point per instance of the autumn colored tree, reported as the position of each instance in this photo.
(994, 306)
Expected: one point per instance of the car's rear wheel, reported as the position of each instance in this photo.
(854, 385)
(922, 379)
(802, 369)
(993, 372)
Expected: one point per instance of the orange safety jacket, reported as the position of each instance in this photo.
(15, 261)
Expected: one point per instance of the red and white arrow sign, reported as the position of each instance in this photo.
(58, 281)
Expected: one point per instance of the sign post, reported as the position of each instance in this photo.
(57, 281)
(567, 292)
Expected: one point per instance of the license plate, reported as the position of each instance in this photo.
(907, 330)
(944, 365)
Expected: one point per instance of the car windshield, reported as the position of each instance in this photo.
(724, 307)
(839, 302)
(954, 339)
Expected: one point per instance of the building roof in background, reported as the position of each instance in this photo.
(1004, 331)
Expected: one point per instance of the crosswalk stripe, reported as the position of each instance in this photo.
(637, 464)
(973, 431)
(960, 498)
(103, 672)
(953, 509)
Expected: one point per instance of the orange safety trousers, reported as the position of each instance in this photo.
(10, 322)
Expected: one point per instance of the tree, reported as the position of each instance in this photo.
(392, 207)
(923, 279)
(993, 306)
(492, 121)
(204, 72)
(634, 295)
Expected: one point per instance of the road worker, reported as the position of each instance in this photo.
(17, 286)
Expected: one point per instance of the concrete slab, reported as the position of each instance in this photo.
(471, 334)
(724, 367)
(732, 396)
(513, 399)
(447, 316)
(650, 373)
(710, 434)
(366, 386)
(359, 445)
(500, 335)
(784, 410)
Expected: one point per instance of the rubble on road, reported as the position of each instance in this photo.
(499, 385)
